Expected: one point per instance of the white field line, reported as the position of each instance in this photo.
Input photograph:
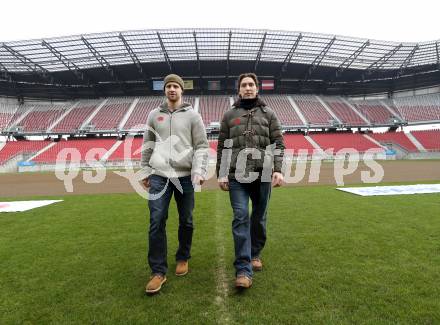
(220, 276)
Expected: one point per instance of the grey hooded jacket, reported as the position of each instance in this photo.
(175, 143)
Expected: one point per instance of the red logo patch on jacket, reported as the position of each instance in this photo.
(160, 119)
(237, 121)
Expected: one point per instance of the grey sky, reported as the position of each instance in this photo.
(400, 21)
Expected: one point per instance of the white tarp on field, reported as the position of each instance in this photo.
(393, 190)
(19, 206)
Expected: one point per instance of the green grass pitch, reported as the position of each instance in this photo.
(331, 258)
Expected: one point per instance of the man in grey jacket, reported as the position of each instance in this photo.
(174, 160)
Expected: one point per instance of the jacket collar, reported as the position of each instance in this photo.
(183, 107)
(259, 104)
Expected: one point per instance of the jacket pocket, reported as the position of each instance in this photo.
(182, 160)
(160, 156)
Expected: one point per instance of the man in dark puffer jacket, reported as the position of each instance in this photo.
(249, 159)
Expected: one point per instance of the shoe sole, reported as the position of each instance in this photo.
(241, 287)
(182, 274)
(257, 268)
(155, 290)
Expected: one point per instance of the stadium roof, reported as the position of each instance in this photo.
(153, 53)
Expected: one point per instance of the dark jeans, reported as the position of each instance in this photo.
(249, 234)
(157, 251)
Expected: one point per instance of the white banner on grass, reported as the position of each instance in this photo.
(19, 206)
(393, 190)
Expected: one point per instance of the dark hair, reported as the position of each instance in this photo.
(248, 75)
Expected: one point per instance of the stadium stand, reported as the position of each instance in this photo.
(297, 142)
(20, 112)
(128, 149)
(213, 144)
(390, 104)
(319, 94)
(398, 138)
(419, 108)
(375, 112)
(7, 113)
(140, 112)
(76, 117)
(107, 115)
(82, 145)
(111, 114)
(342, 140)
(211, 108)
(430, 139)
(138, 117)
(313, 111)
(25, 148)
(30, 118)
(344, 112)
(189, 99)
(40, 117)
(284, 110)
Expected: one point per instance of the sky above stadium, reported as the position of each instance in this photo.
(389, 20)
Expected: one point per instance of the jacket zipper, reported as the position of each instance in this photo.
(169, 138)
(249, 131)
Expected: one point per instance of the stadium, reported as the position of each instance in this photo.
(77, 106)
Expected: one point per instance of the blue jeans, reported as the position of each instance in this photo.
(157, 250)
(249, 234)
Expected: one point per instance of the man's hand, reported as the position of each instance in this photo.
(277, 179)
(223, 183)
(198, 179)
(146, 182)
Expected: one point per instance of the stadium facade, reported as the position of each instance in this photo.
(96, 89)
(129, 63)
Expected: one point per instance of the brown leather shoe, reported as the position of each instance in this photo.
(242, 281)
(257, 264)
(155, 283)
(181, 268)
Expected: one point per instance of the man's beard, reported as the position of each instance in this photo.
(174, 99)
